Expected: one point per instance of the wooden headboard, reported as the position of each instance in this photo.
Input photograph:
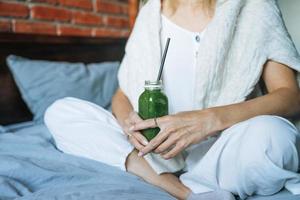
(72, 49)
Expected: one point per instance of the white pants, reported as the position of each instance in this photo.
(257, 156)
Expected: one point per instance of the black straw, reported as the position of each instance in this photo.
(163, 60)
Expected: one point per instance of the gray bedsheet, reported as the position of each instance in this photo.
(32, 168)
(283, 195)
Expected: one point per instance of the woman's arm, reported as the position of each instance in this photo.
(126, 117)
(121, 107)
(283, 98)
(186, 128)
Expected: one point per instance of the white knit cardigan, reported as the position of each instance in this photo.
(241, 37)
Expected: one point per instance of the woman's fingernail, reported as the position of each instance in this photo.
(140, 154)
(166, 157)
(145, 142)
(131, 128)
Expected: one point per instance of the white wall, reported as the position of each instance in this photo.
(291, 15)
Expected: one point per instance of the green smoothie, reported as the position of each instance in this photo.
(152, 103)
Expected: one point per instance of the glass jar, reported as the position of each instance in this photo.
(152, 103)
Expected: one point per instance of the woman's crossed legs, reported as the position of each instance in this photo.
(84, 129)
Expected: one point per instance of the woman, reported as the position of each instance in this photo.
(223, 139)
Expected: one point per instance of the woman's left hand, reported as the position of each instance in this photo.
(178, 131)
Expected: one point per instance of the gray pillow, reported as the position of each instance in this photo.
(42, 82)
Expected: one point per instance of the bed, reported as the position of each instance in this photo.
(30, 165)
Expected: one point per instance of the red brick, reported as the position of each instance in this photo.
(125, 9)
(5, 26)
(104, 32)
(13, 9)
(132, 11)
(86, 18)
(117, 22)
(111, 7)
(50, 13)
(85, 4)
(45, 1)
(34, 27)
(74, 31)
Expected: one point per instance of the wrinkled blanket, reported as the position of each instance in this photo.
(32, 168)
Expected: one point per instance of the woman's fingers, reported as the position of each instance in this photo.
(155, 142)
(145, 124)
(172, 139)
(165, 145)
(134, 141)
(140, 138)
(150, 123)
(180, 145)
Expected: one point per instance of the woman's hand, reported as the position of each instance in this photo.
(135, 137)
(179, 131)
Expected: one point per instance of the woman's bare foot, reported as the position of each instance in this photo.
(170, 183)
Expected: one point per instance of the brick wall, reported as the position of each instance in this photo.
(93, 18)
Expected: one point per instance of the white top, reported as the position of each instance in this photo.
(231, 55)
(179, 70)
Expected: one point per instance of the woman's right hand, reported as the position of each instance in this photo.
(134, 137)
